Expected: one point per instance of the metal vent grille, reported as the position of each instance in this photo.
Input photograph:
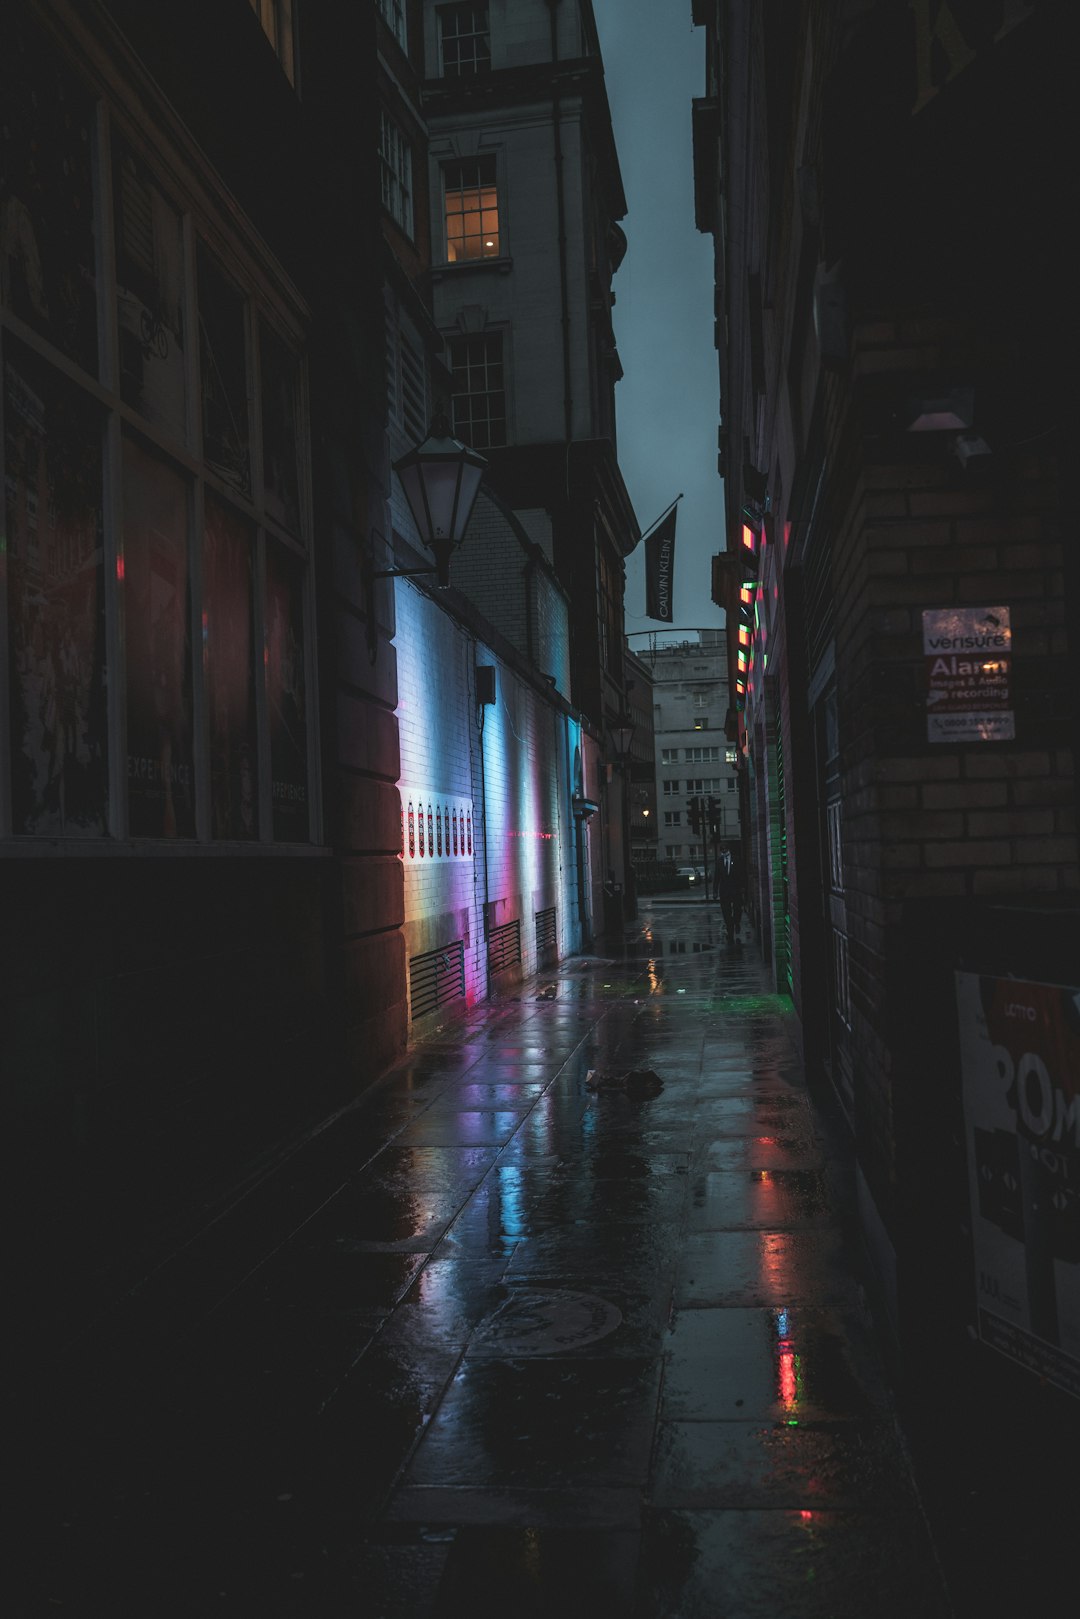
(504, 946)
(435, 978)
(546, 934)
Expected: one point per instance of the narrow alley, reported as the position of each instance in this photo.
(501, 1337)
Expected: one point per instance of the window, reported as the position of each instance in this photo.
(395, 168)
(701, 725)
(466, 43)
(669, 756)
(472, 209)
(279, 26)
(731, 785)
(703, 784)
(702, 756)
(478, 396)
(672, 817)
(394, 13)
(673, 850)
(836, 847)
(730, 756)
(701, 699)
(192, 724)
(670, 788)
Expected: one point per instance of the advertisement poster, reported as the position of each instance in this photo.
(1020, 1070)
(968, 653)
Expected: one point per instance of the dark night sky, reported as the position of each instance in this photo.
(668, 402)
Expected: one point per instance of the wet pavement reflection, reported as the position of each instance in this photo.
(517, 1343)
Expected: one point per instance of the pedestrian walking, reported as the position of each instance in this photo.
(730, 891)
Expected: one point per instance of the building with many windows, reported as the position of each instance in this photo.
(692, 756)
(526, 197)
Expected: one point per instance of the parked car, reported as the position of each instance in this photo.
(690, 874)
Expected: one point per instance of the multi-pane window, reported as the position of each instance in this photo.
(478, 397)
(731, 785)
(701, 699)
(670, 788)
(730, 755)
(673, 850)
(672, 817)
(157, 574)
(466, 42)
(703, 784)
(472, 209)
(279, 26)
(394, 13)
(702, 756)
(395, 169)
(669, 756)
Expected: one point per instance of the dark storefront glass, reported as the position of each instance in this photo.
(285, 695)
(228, 644)
(53, 475)
(157, 629)
(281, 482)
(149, 294)
(223, 362)
(47, 250)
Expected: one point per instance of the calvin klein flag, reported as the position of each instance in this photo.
(660, 569)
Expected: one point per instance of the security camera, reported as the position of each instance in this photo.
(969, 447)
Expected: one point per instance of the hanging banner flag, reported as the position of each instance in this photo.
(660, 569)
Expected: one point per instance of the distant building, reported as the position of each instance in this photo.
(692, 756)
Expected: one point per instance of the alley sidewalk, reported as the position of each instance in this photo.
(495, 1340)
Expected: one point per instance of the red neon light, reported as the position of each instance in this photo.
(120, 568)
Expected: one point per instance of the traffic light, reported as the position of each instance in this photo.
(714, 817)
(695, 815)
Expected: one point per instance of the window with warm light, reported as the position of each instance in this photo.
(395, 170)
(478, 396)
(472, 209)
(465, 39)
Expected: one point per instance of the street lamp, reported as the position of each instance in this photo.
(441, 478)
(622, 735)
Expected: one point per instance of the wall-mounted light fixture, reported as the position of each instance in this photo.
(622, 734)
(441, 478)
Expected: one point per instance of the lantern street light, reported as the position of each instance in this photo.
(441, 478)
(621, 737)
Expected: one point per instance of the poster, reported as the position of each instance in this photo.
(967, 654)
(1020, 1071)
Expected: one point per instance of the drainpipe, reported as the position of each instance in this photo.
(560, 203)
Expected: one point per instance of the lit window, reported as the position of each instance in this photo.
(478, 397)
(395, 166)
(279, 26)
(466, 44)
(472, 209)
(394, 13)
(701, 725)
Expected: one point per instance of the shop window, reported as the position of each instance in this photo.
(56, 601)
(472, 209)
(465, 40)
(180, 626)
(395, 169)
(478, 398)
(149, 294)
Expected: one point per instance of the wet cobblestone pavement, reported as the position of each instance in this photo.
(495, 1340)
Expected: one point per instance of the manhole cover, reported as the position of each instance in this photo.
(546, 1321)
